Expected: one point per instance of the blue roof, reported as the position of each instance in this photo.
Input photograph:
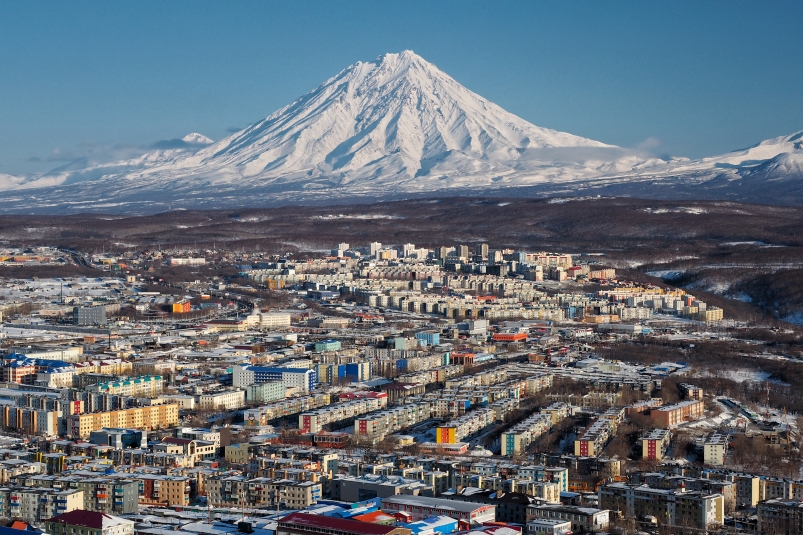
(18, 361)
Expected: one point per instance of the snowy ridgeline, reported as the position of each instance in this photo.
(392, 126)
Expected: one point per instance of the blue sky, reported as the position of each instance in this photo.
(693, 78)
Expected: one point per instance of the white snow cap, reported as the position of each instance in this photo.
(197, 139)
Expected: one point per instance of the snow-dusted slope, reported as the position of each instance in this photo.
(8, 181)
(396, 126)
(745, 159)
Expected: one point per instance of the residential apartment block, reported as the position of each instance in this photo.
(148, 418)
(671, 415)
(675, 507)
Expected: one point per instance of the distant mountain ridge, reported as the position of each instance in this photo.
(397, 127)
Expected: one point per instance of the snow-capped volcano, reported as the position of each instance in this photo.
(398, 120)
(396, 126)
(396, 117)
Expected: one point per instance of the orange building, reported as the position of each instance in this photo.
(446, 435)
(182, 307)
(670, 415)
(510, 337)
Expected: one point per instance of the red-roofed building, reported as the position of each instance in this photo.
(307, 524)
(376, 517)
(89, 522)
(510, 337)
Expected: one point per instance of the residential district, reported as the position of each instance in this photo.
(371, 391)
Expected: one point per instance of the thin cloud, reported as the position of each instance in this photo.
(651, 144)
(169, 144)
(57, 155)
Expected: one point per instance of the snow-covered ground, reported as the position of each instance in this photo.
(739, 375)
(694, 210)
(667, 274)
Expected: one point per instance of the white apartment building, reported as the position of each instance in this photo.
(232, 399)
(548, 526)
(67, 354)
(715, 449)
(200, 434)
(184, 401)
(274, 320)
(60, 378)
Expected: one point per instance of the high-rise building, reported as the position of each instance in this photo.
(461, 251)
(89, 315)
(780, 515)
(675, 507)
(35, 505)
(375, 248)
(341, 249)
(481, 250)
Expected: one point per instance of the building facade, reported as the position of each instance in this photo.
(147, 418)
